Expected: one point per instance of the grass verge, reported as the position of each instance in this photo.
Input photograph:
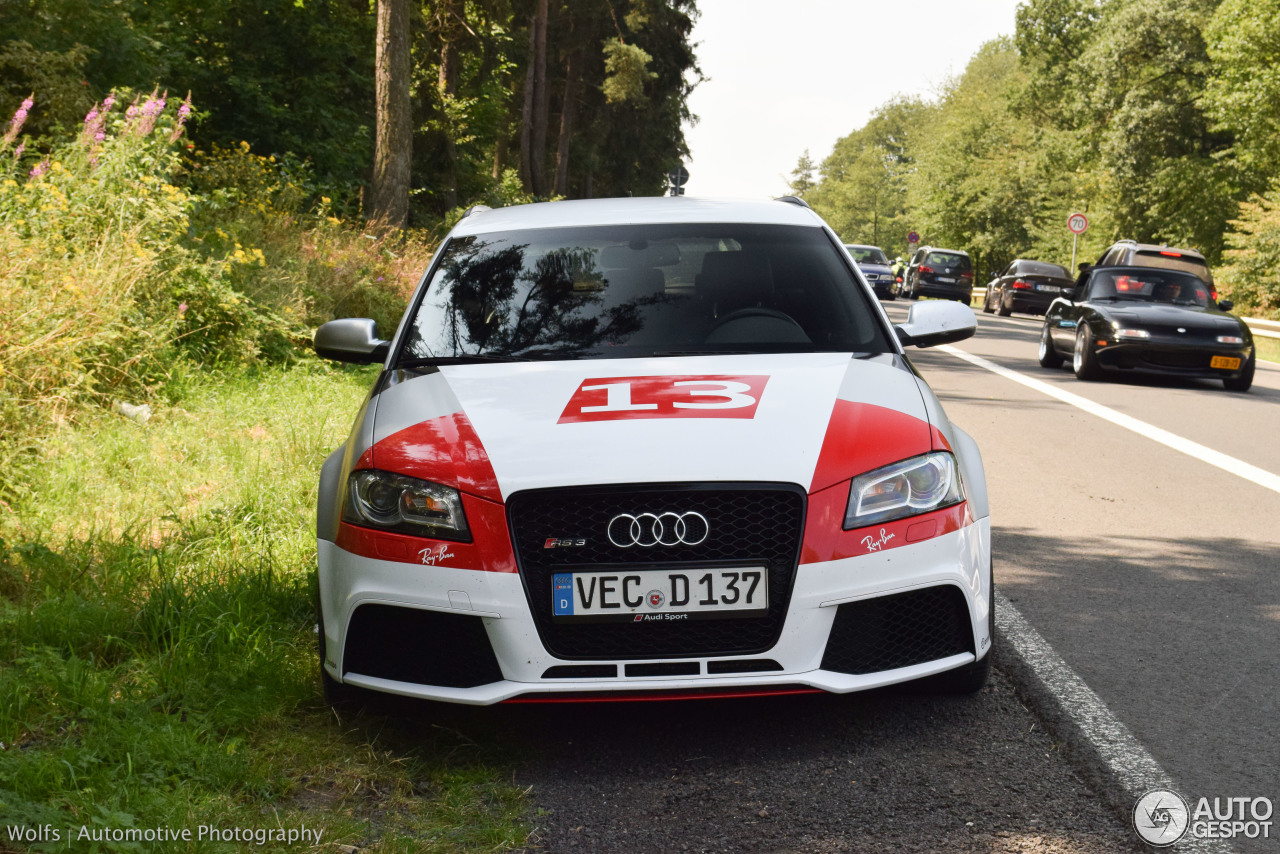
(157, 655)
(1268, 349)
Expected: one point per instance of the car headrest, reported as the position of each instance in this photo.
(735, 279)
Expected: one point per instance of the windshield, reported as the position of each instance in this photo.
(1173, 261)
(868, 255)
(641, 290)
(1152, 285)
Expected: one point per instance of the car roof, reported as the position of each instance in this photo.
(1142, 269)
(861, 246)
(643, 210)
(945, 249)
(1160, 247)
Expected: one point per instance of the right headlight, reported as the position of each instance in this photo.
(906, 488)
(405, 505)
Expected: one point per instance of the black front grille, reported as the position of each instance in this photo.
(898, 631)
(1191, 359)
(750, 525)
(422, 647)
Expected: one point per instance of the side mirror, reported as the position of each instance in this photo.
(1084, 267)
(936, 322)
(351, 339)
(1225, 305)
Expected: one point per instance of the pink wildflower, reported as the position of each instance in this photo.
(184, 112)
(151, 110)
(19, 119)
(182, 308)
(17, 152)
(39, 169)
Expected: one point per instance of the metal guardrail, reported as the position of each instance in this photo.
(1258, 326)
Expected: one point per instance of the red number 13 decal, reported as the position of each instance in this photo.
(615, 398)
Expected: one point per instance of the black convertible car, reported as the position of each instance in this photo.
(1144, 320)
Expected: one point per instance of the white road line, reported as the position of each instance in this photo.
(1240, 468)
(1128, 762)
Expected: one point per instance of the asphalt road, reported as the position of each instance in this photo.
(1153, 574)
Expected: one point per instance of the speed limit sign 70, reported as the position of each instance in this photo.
(1078, 223)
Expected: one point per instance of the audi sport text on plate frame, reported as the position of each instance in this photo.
(629, 445)
(634, 593)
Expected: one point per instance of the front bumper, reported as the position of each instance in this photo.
(956, 564)
(1171, 358)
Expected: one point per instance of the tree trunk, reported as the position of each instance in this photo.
(541, 103)
(567, 115)
(533, 119)
(393, 138)
(447, 85)
(526, 113)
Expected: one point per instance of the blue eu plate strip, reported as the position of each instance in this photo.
(562, 593)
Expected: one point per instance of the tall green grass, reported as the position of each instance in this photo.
(157, 653)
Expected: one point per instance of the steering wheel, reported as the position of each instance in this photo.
(755, 312)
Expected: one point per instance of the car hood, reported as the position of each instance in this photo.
(1173, 317)
(874, 268)
(495, 429)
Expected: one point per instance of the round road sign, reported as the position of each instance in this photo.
(1078, 223)
(913, 238)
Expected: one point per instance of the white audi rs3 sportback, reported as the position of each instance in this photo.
(645, 447)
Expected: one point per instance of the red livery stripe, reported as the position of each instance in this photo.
(443, 450)
(862, 437)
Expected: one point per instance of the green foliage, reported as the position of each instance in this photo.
(1242, 95)
(126, 268)
(626, 72)
(1251, 274)
(1154, 117)
(975, 186)
(862, 190)
(802, 176)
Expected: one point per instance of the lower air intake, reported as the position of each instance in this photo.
(421, 647)
(898, 631)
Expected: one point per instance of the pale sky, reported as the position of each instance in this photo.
(786, 76)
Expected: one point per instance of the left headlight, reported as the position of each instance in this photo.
(406, 505)
(908, 488)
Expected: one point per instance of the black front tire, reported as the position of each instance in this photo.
(1084, 361)
(1244, 380)
(1049, 357)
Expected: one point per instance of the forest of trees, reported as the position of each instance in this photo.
(1160, 119)
(508, 99)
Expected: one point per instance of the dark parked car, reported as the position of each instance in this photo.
(1130, 253)
(1145, 320)
(874, 265)
(934, 272)
(1026, 286)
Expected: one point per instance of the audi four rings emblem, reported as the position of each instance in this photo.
(658, 529)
